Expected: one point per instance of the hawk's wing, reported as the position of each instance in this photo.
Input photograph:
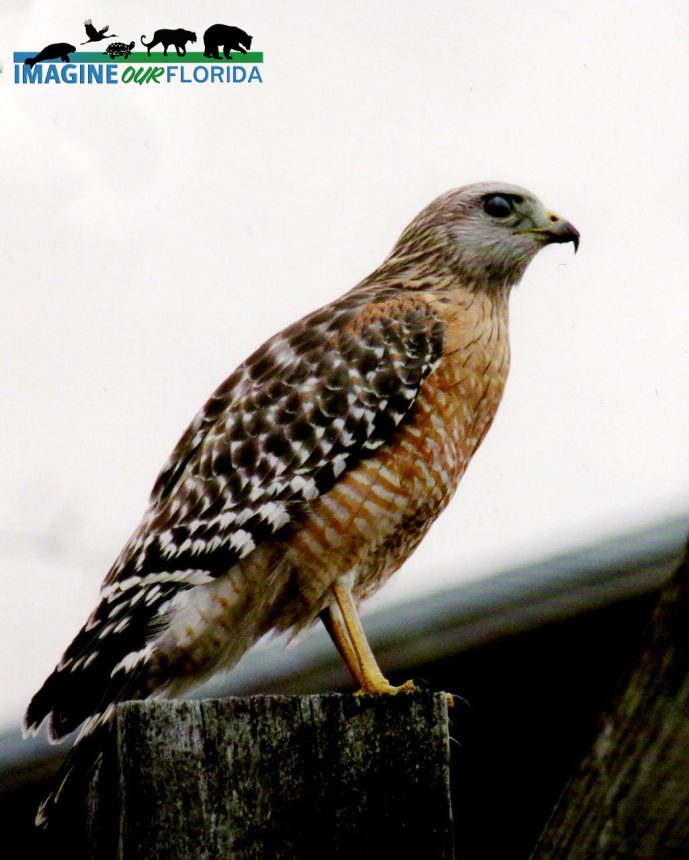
(305, 408)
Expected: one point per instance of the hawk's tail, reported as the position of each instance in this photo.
(68, 790)
(112, 658)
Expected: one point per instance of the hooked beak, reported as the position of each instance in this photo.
(558, 230)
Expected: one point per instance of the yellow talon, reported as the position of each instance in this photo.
(384, 688)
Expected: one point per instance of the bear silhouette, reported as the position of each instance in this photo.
(52, 52)
(232, 38)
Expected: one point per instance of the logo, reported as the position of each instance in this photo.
(227, 58)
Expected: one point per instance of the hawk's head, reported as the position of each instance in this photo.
(487, 233)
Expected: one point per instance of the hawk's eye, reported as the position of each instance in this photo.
(497, 206)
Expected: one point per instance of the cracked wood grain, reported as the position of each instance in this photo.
(275, 777)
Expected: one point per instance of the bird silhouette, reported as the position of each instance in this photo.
(96, 35)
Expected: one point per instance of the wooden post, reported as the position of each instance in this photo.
(630, 796)
(330, 776)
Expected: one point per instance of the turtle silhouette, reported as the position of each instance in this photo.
(52, 52)
(96, 35)
(119, 49)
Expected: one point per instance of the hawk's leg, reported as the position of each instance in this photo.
(350, 640)
(332, 620)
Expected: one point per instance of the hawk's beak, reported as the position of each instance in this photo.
(558, 230)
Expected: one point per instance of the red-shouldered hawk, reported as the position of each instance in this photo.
(316, 469)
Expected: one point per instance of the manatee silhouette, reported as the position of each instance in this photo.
(52, 52)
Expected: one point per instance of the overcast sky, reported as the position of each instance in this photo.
(153, 236)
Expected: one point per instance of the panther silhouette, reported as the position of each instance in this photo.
(231, 37)
(178, 38)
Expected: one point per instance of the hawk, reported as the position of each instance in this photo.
(315, 469)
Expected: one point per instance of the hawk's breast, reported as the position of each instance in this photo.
(377, 514)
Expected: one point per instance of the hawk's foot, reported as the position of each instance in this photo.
(383, 687)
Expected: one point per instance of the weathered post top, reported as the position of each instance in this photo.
(324, 776)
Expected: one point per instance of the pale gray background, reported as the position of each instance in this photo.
(153, 236)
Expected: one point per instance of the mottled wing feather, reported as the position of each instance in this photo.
(308, 406)
(301, 411)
